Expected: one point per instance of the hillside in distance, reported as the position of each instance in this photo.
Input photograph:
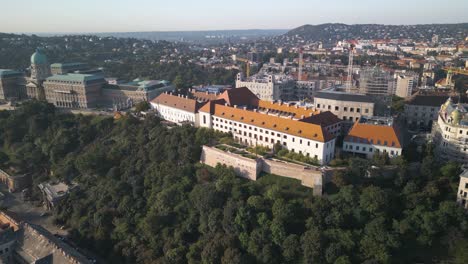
(330, 33)
(214, 36)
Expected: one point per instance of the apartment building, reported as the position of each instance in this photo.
(268, 87)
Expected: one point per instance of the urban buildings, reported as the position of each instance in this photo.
(15, 180)
(450, 133)
(74, 85)
(404, 85)
(371, 135)
(376, 82)
(421, 110)
(462, 195)
(347, 106)
(268, 87)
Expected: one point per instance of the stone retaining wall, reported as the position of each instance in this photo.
(309, 176)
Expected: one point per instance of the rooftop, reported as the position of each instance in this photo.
(341, 96)
(275, 123)
(376, 131)
(74, 77)
(9, 73)
(177, 101)
(68, 65)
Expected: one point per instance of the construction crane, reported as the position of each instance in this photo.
(247, 65)
(451, 71)
(349, 81)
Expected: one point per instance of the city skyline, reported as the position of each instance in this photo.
(87, 16)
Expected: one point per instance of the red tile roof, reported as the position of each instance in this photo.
(324, 119)
(239, 96)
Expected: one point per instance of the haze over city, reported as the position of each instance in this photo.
(187, 15)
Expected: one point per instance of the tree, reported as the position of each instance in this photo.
(142, 106)
(179, 82)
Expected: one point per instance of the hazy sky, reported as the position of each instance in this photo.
(167, 15)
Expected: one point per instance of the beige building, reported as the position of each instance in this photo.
(11, 85)
(177, 108)
(462, 195)
(268, 87)
(64, 68)
(74, 90)
(123, 96)
(404, 85)
(347, 106)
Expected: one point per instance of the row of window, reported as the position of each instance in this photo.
(345, 109)
(366, 149)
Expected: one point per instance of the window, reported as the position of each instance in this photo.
(329, 107)
(466, 185)
(337, 108)
(346, 109)
(300, 141)
(285, 137)
(284, 143)
(358, 110)
(293, 139)
(366, 111)
(351, 109)
(204, 119)
(318, 105)
(308, 143)
(316, 145)
(357, 147)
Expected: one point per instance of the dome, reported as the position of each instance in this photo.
(38, 57)
(456, 117)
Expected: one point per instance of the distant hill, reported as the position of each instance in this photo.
(215, 36)
(330, 33)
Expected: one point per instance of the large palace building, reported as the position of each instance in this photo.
(75, 85)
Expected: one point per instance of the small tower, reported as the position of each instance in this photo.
(40, 68)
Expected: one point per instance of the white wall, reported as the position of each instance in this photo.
(370, 149)
(175, 115)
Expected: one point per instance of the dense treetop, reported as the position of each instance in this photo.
(144, 198)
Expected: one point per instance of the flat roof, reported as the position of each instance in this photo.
(341, 96)
(9, 73)
(75, 77)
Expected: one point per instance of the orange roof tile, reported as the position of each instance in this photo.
(299, 112)
(373, 134)
(180, 102)
(275, 123)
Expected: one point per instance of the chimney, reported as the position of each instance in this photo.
(302, 116)
(245, 107)
(296, 106)
(225, 104)
(235, 106)
(255, 110)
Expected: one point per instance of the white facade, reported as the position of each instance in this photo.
(175, 115)
(462, 195)
(451, 133)
(254, 135)
(404, 86)
(370, 149)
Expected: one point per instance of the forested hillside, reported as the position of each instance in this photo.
(143, 198)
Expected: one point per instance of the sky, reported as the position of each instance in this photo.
(78, 16)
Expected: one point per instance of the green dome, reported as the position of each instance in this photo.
(38, 57)
(456, 116)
